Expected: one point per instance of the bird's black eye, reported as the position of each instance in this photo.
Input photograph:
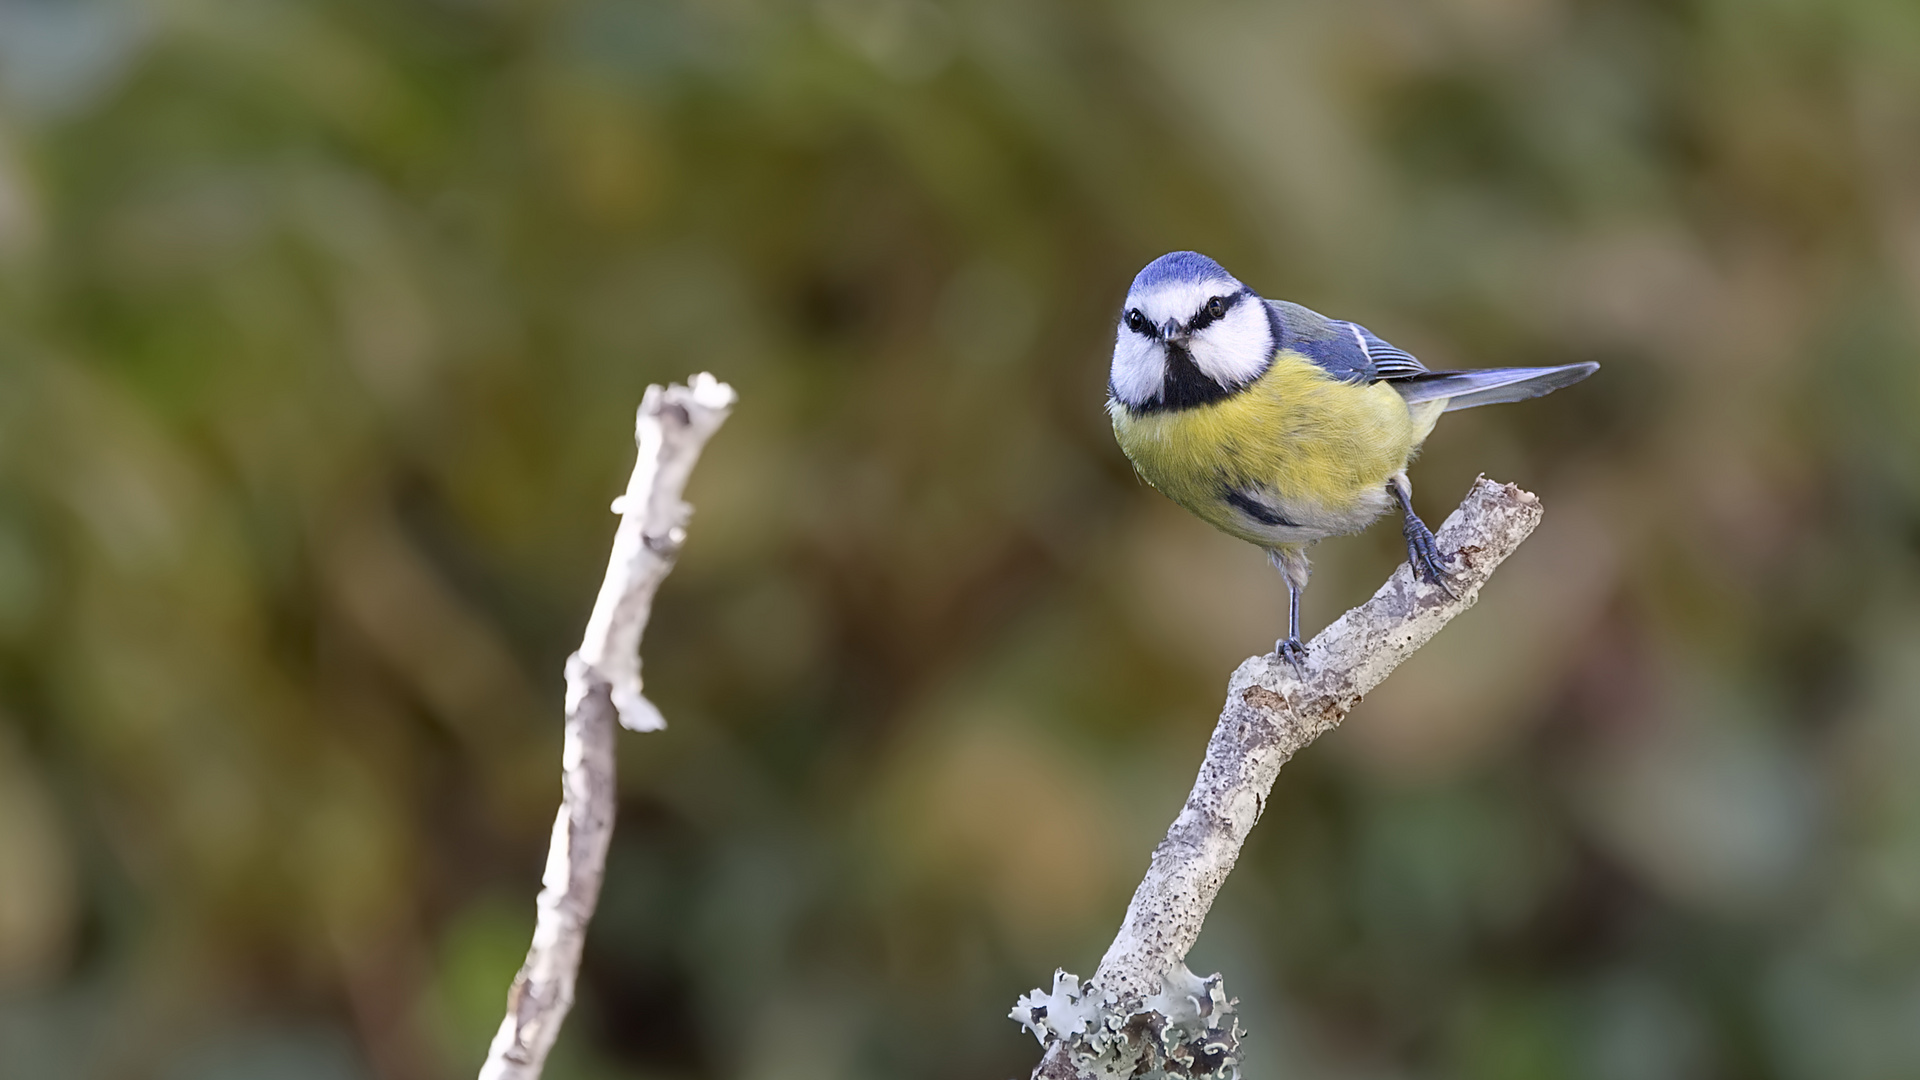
(1136, 322)
(1217, 307)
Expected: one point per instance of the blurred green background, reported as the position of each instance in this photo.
(321, 327)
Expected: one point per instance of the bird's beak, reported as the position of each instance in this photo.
(1170, 331)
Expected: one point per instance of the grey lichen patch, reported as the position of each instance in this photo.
(1186, 1031)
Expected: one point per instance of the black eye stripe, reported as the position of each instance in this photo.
(1136, 321)
(1206, 316)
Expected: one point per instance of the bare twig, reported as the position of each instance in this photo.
(1143, 1010)
(603, 684)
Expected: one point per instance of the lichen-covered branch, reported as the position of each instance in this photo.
(1115, 1025)
(603, 686)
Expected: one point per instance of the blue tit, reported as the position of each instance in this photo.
(1278, 425)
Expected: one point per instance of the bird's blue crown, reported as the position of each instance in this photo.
(1177, 267)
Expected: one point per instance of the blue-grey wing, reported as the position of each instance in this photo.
(1353, 353)
(1329, 343)
(1346, 350)
(1463, 389)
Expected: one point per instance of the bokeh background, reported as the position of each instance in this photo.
(321, 327)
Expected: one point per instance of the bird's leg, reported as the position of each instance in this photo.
(1290, 649)
(1292, 564)
(1423, 555)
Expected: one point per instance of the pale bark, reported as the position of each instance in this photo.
(1270, 714)
(603, 687)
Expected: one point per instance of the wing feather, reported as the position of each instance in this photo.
(1490, 386)
(1390, 362)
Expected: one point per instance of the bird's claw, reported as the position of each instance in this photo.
(1425, 557)
(1290, 650)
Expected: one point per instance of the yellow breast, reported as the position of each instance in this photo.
(1319, 450)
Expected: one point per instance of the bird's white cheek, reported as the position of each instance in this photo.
(1139, 370)
(1235, 350)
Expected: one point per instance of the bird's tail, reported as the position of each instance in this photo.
(1489, 386)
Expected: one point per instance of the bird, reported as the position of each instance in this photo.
(1278, 425)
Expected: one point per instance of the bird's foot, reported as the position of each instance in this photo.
(1290, 650)
(1425, 556)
